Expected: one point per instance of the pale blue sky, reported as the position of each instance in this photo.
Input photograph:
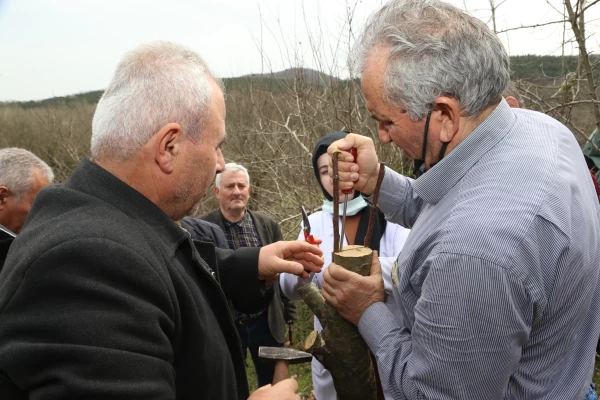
(60, 47)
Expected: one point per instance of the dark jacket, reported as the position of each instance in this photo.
(205, 231)
(6, 238)
(102, 296)
(281, 309)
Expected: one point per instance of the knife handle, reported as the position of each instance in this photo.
(309, 238)
(354, 153)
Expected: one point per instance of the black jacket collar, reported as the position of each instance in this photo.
(94, 180)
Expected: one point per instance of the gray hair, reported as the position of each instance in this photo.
(511, 90)
(435, 49)
(17, 168)
(232, 167)
(156, 84)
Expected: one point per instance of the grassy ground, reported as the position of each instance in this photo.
(302, 372)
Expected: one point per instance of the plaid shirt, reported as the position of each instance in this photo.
(242, 233)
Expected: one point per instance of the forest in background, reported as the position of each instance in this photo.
(273, 121)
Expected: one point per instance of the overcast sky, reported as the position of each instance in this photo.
(59, 47)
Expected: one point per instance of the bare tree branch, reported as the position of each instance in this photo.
(591, 4)
(571, 104)
(532, 26)
(578, 29)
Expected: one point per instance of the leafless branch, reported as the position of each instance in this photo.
(591, 4)
(532, 26)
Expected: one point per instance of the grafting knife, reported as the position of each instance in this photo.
(346, 193)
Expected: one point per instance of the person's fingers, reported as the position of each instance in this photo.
(289, 257)
(301, 268)
(287, 385)
(278, 266)
(347, 179)
(318, 240)
(375, 264)
(351, 140)
(262, 388)
(329, 295)
(304, 256)
(309, 266)
(328, 283)
(340, 274)
(343, 166)
(299, 247)
(360, 174)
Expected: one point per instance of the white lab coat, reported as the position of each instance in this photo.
(391, 243)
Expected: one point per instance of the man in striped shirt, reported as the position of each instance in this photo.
(499, 279)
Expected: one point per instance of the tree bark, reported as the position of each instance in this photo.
(339, 346)
(579, 31)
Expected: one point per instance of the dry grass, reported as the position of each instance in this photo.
(272, 132)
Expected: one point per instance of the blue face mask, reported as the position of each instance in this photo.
(354, 206)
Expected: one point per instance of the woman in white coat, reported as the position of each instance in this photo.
(387, 239)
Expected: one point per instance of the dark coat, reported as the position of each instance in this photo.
(205, 231)
(281, 308)
(102, 296)
(6, 238)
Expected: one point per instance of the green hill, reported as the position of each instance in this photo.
(528, 67)
(536, 67)
(87, 97)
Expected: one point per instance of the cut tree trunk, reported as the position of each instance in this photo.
(339, 346)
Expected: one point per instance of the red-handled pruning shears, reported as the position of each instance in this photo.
(307, 236)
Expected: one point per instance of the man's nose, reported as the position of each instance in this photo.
(384, 135)
(220, 161)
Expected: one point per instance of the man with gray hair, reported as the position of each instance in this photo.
(103, 294)
(498, 280)
(22, 176)
(245, 228)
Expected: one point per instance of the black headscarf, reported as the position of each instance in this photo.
(320, 149)
(380, 222)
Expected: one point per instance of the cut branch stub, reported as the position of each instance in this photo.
(339, 346)
(355, 258)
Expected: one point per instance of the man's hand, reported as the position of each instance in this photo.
(298, 258)
(350, 293)
(284, 390)
(361, 175)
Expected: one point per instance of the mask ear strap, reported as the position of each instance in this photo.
(426, 132)
(442, 152)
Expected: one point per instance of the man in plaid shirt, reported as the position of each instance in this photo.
(245, 228)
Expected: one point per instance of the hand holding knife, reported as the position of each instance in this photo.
(346, 192)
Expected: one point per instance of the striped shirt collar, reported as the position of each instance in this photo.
(437, 182)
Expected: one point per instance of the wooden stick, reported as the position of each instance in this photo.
(336, 202)
(339, 346)
(375, 205)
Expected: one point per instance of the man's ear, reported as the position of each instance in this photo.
(4, 195)
(447, 113)
(168, 141)
(216, 190)
(249, 189)
(512, 102)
